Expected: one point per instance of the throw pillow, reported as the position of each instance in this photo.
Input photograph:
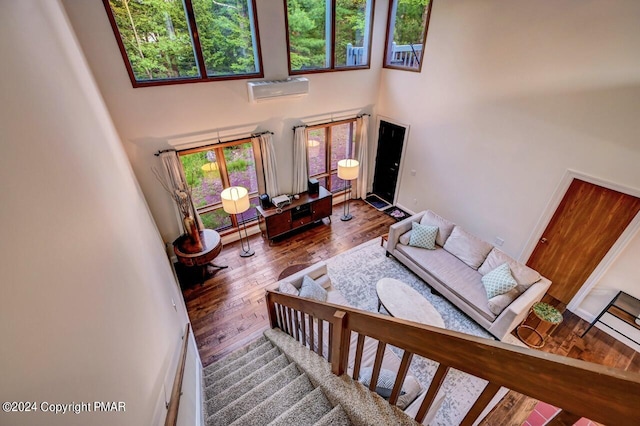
(444, 226)
(499, 281)
(522, 273)
(287, 288)
(410, 388)
(312, 290)
(423, 236)
(501, 301)
(466, 247)
(405, 238)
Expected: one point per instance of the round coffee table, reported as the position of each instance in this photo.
(401, 301)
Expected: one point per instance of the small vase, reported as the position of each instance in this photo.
(191, 229)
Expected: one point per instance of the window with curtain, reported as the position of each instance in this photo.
(328, 35)
(326, 145)
(211, 169)
(407, 28)
(178, 41)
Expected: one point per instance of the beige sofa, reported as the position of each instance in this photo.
(390, 361)
(456, 267)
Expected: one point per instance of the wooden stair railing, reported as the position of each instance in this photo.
(579, 388)
(176, 391)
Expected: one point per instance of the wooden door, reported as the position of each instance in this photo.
(586, 224)
(385, 177)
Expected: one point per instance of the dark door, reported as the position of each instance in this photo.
(586, 224)
(385, 178)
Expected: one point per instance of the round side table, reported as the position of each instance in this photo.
(211, 248)
(548, 316)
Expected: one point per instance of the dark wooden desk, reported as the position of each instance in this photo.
(307, 209)
(211, 248)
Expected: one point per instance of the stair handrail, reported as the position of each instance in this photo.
(174, 400)
(579, 388)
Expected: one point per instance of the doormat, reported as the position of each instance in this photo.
(376, 202)
(397, 213)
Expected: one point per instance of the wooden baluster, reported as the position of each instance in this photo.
(340, 338)
(377, 366)
(435, 385)
(290, 315)
(485, 397)
(402, 374)
(320, 336)
(330, 342)
(280, 321)
(311, 333)
(304, 328)
(358, 360)
(271, 311)
(564, 418)
(296, 324)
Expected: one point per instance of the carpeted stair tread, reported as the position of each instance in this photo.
(238, 363)
(278, 403)
(335, 417)
(307, 411)
(234, 355)
(234, 376)
(254, 397)
(217, 402)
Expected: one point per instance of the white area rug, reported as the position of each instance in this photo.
(355, 274)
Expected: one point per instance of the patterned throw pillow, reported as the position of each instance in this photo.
(499, 281)
(423, 236)
(312, 290)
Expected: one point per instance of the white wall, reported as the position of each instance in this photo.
(86, 312)
(147, 117)
(510, 97)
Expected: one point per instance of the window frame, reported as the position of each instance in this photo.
(327, 139)
(392, 15)
(197, 48)
(332, 60)
(224, 176)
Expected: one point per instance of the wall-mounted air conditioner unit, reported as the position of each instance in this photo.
(277, 89)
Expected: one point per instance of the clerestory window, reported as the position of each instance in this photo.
(326, 145)
(407, 28)
(328, 35)
(182, 41)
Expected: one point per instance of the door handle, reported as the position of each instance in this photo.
(543, 240)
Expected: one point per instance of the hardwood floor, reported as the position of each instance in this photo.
(228, 310)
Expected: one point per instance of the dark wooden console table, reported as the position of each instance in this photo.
(307, 209)
(624, 307)
(211, 248)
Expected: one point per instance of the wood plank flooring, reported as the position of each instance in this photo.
(228, 310)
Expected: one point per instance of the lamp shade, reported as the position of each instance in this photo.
(235, 199)
(348, 169)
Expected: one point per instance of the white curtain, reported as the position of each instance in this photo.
(362, 155)
(269, 164)
(300, 167)
(176, 180)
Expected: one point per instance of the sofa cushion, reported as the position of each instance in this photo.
(287, 288)
(499, 281)
(466, 247)
(444, 226)
(386, 379)
(498, 303)
(459, 278)
(312, 290)
(423, 236)
(524, 275)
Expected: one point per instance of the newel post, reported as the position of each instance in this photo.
(340, 347)
(271, 310)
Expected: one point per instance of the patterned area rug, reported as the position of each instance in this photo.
(355, 274)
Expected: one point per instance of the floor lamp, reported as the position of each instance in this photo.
(348, 170)
(235, 200)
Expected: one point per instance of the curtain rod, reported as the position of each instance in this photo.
(330, 121)
(216, 143)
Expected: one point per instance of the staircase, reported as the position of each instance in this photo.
(275, 381)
